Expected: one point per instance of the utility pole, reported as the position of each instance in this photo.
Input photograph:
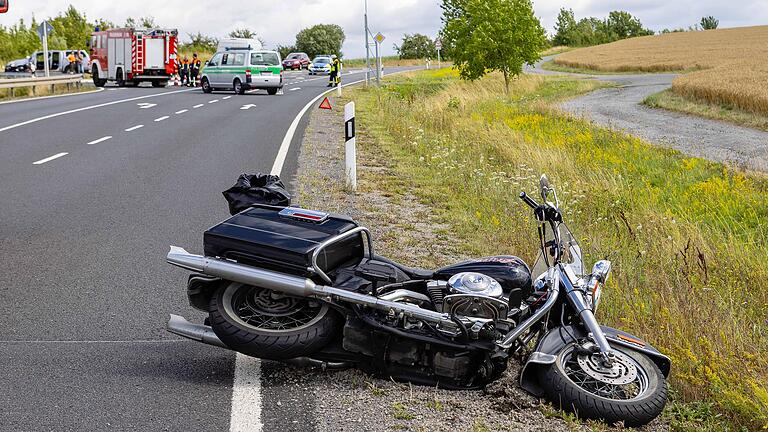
(367, 48)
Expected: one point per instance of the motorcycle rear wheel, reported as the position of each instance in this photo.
(634, 391)
(262, 323)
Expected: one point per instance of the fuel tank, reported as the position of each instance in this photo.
(510, 271)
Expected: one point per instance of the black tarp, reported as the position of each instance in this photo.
(257, 188)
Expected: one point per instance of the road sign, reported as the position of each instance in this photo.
(379, 38)
(44, 29)
(439, 44)
(326, 104)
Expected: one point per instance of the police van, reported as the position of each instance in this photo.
(240, 65)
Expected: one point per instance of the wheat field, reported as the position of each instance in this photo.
(724, 67)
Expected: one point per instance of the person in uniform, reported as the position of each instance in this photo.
(335, 78)
(194, 70)
(185, 71)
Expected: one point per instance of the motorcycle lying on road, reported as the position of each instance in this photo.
(302, 286)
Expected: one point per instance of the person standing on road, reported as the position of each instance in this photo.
(335, 78)
(184, 71)
(71, 59)
(194, 70)
(79, 62)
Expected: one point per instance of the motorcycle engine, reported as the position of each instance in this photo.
(475, 295)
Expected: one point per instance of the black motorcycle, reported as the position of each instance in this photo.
(303, 286)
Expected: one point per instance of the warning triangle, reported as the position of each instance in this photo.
(326, 104)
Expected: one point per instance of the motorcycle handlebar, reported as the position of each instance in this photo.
(528, 200)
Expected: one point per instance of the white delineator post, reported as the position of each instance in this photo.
(350, 147)
(338, 86)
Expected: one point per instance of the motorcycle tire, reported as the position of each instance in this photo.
(559, 383)
(260, 335)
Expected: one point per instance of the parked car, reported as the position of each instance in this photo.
(320, 66)
(20, 66)
(240, 69)
(296, 61)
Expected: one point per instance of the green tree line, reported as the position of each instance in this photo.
(594, 31)
(71, 31)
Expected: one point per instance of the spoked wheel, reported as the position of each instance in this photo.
(631, 390)
(266, 324)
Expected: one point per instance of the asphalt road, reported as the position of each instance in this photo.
(621, 107)
(84, 289)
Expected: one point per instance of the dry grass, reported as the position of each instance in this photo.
(687, 236)
(59, 89)
(723, 112)
(728, 65)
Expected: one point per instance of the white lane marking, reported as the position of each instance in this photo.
(102, 139)
(49, 158)
(277, 167)
(246, 107)
(246, 395)
(50, 116)
(226, 97)
(213, 101)
(51, 97)
(198, 105)
(145, 105)
(182, 111)
(159, 119)
(131, 129)
(295, 88)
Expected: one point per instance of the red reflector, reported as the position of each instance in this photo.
(307, 216)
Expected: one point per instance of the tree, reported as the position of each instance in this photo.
(202, 43)
(709, 23)
(623, 25)
(242, 33)
(143, 22)
(417, 46)
(320, 39)
(285, 50)
(492, 35)
(565, 28)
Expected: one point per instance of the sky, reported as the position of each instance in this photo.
(278, 21)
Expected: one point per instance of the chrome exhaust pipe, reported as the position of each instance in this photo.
(197, 332)
(297, 286)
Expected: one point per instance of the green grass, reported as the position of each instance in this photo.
(688, 237)
(670, 101)
(59, 89)
(401, 412)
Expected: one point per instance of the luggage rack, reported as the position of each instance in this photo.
(368, 253)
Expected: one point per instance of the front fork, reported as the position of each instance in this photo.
(576, 298)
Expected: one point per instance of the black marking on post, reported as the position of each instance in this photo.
(349, 129)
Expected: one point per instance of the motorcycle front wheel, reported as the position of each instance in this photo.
(633, 390)
(262, 323)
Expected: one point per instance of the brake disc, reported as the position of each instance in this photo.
(622, 372)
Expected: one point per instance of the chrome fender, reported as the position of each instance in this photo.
(557, 338)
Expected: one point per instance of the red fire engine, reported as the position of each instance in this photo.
(131, 56)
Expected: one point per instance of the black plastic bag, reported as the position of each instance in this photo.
(257, 188)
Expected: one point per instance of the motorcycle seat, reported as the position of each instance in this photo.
(413, 273)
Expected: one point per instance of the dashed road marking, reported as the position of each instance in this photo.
(226, 97)
(56, 156)
(102, 139)
(182, 111)
(131, 129)
(198, 105)
(295, 88)
(145, 105)
(213, 101)
(159, 119)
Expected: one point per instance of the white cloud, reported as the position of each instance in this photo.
(279, 21)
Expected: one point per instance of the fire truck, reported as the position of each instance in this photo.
(131, 56)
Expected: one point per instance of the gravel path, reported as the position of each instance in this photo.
(621, 108)
(403, 229)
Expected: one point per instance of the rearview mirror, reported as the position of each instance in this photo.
(544, 186)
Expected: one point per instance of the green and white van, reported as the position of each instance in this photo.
(241, 69)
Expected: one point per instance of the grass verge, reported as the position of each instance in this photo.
(687, 236)
(668, 100)
(553, 66)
